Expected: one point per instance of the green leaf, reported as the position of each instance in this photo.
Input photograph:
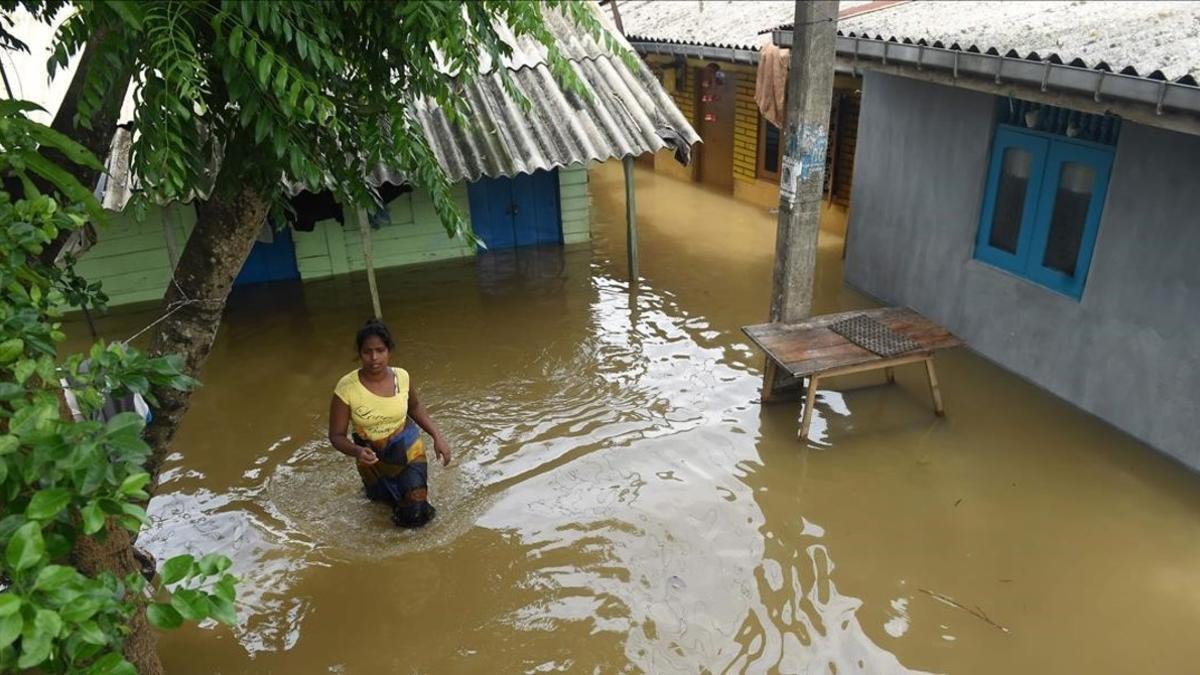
(124, 423)
(93, 518)
(10, 107)
(235, 40)
(25, 547)
(10, 628)
(10, 349)
(163, 616)
(47, 503)
(177, 568)
(9, 603)
(136, 511)
(280, 84)
(225, 588)
(213, 563)
(57, 545)
(130, 12)
(8, 444)
(35, 647)
(66, 145)
(191, 605)
(107, 664)
(32, 418)
(131, 523)
(264, 69)
(134, 483)
(80, 609)
(222, 610)
(67, 183)
(48, 621)
(23, 370)
(261, 126)
(52, 577)
(90, 633)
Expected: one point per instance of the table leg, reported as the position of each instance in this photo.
(890, 374)
(810, 398)
(934, 390)
(770, 373)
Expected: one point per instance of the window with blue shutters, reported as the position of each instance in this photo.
(1046, 184)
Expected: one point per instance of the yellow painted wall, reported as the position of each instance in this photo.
(683, 92)
(745, 130)
(745, 127)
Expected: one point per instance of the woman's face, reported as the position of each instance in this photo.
(374, 354)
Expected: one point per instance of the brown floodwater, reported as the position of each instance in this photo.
(621, 502)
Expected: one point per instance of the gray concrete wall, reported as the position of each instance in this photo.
(1128, 351)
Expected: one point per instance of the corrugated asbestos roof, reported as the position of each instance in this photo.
(627, 113)
(725, 24)
(714, 23)
(1157, 40)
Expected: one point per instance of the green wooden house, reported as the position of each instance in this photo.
(519, 175)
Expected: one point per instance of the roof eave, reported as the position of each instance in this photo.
(697, 51)
(1159, 102)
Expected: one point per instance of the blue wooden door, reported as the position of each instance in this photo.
(520, 211)
(275, 261)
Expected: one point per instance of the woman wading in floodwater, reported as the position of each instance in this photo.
(386, 442)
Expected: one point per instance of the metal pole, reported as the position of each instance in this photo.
(364, 229)
(630, 218)
(810, 94)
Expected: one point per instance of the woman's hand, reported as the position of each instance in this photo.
(442, 449)
(366, 456)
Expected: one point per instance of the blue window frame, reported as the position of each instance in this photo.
(1041, 207)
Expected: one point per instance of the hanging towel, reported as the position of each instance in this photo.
(770, 87)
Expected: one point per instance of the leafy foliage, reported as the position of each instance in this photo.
(60, 479)
(306, 92)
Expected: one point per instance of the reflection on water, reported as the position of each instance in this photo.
(621, 502)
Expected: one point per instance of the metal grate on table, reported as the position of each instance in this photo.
(873, 336)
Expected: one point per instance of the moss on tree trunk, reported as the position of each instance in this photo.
(114, 553)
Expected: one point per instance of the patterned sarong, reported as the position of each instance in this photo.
(400, 477)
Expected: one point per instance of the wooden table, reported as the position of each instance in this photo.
(808, 349)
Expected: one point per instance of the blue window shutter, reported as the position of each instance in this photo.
(1038, 149)
(1099, 160)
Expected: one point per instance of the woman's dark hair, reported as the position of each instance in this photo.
(378, 329)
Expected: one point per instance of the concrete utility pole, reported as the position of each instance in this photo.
(809, 96)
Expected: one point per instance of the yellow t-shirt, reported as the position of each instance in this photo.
(373, 416)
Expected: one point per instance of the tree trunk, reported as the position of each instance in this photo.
(226, 226)
(115, 554)
(98, 137)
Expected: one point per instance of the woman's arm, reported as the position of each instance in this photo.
(339, 424)
(417, 411)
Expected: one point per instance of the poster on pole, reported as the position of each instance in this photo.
(789, 177)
